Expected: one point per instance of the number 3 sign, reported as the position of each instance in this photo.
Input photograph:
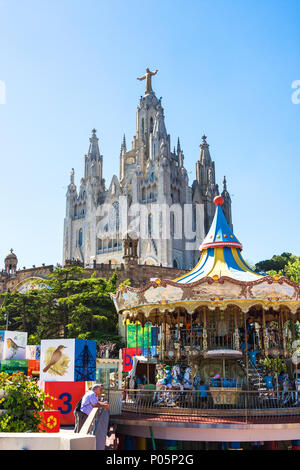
(67, 395)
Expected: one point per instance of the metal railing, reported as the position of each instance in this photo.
(216, 401)
(194, 338)
(218, 339)
(96, 425)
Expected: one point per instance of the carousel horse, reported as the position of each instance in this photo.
(168, 376)
(188, 386)
(176, 372)
(163, 383)
(196, 382)
(187, 379)
(160, 382)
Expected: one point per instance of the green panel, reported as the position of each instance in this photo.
(11, 366)
(131, 336)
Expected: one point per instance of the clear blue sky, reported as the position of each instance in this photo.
(225, 68)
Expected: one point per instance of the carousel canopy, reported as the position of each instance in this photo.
(222, 279)
(220, 253)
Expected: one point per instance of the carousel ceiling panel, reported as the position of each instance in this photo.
(208, 292)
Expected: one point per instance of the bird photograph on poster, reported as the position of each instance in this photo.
(57, 360)
(14, 346)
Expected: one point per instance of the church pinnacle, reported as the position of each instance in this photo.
(93, 152)
(123, 146)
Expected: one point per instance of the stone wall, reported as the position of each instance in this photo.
(137, 273)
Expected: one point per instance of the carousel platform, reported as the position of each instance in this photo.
(191, 421)
(206, 428)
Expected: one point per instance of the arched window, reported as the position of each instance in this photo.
(144, 194)
(80, 237)
(150, 225)
(175, 264)
(172, 224)
(151, 124)
(143, 125)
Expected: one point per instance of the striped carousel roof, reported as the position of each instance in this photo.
(220, 253)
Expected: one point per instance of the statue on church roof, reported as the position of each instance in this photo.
(147, 77)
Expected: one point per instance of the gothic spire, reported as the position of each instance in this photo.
(159, 128)
(93, 152)
(123, 146)
(224, 184)
(178, 147)
(204, 156)
(225, 193)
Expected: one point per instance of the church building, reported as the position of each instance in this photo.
(153, 179)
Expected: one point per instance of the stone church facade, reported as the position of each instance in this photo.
(152, 178)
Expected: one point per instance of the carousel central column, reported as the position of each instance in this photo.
(265, 335)
(236, 331)
(246, 347)
(285, 334)
(204, 331)
(164, 336)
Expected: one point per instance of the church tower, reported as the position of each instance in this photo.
(79, 225)
(205, 188)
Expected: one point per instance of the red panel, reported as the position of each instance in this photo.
(67, 395)
(51, 421)
(128, 354)
(33, 365)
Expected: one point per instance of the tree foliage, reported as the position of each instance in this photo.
(74, 304)
(285, 264)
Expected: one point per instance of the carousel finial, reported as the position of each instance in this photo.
(218, 200)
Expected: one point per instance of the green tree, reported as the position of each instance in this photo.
(286, 264)
(276, 263)
(292, 270)
(74, 304)
(20, 311)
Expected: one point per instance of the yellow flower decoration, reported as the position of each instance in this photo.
(51, 422)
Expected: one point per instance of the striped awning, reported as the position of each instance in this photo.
(220, 253)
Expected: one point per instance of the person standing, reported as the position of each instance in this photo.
(269, 381)
(252, 354)
(89, 401)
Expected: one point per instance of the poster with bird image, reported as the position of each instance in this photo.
(14, 345)
(57, 360)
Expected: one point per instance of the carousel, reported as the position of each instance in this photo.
(216, 321)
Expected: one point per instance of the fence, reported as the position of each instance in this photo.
(213, 402)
